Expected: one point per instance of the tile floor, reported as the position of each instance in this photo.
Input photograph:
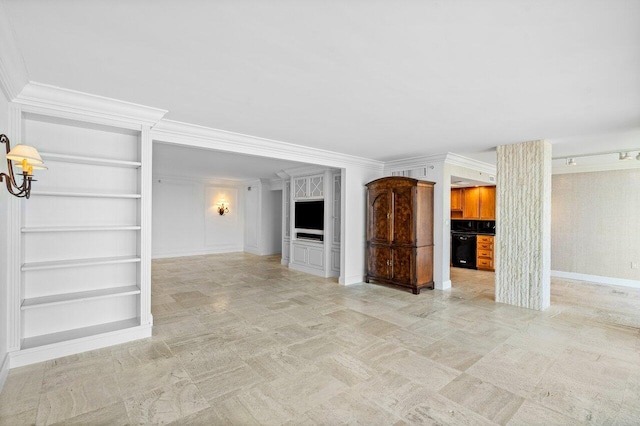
(239, 339)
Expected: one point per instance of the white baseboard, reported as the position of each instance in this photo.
(56, 350)
(444, 285)
(4, 371)
(284, 261)
(596, 279)
(352, 279)
(252, 250)
(200, 252)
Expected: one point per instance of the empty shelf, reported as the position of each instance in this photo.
(56, 264)
(89, 160)
(58, 299)
(79, 228)
(63, 336)
(83, 194)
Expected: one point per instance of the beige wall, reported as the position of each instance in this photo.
(595, 227)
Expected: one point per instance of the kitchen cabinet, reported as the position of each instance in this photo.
(471, 207)
(456, 200)
(477, 203)
(400, 232)
(487, 202)
(484, 252)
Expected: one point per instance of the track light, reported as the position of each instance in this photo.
(625, 156)
(628, 154)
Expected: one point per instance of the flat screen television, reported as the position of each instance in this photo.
(309, 215)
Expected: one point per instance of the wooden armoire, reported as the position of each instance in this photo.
(400, 232)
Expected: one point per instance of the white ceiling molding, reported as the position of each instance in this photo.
(56, 101)
(305, 170)
(449, 158)
(13, 72)
(470, 163)
(200, 180)
(413, 163)
(175, 132)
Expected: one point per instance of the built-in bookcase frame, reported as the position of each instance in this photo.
(61, 299)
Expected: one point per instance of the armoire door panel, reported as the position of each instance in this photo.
(379, 229)
(402, 261)
(403, 217)
(379, 259)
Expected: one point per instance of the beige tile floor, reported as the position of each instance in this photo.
(239, 339)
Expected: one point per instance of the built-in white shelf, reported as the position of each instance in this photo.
(89, 160)
(78, 333)
(35, 229)
(83, 194)
(57, 264)
(59, 299)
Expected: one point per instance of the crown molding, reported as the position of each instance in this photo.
(205, 137)
(448, 158)
(13, 72)
(307, 170)
(413, 162)
(71, 104)
(431, 160)
(231, 183)
(470, 163)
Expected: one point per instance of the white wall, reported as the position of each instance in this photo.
(272, 220)
(263, 218)
(354, 213)
(594, 227)
(4, 241)
(252, 195)
(186, 222)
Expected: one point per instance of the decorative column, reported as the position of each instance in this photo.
(523, 225)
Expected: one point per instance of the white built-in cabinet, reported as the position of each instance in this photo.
(336, 223)
(315, 257)
(82, 276)
(308, 187)
(286, 221)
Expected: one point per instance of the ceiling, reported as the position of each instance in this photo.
(376, 79)
(207, 164)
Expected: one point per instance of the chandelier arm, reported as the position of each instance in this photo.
(19, 191)
(4, 139)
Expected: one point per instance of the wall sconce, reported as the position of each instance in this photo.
(223, 208)
(28, 159)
